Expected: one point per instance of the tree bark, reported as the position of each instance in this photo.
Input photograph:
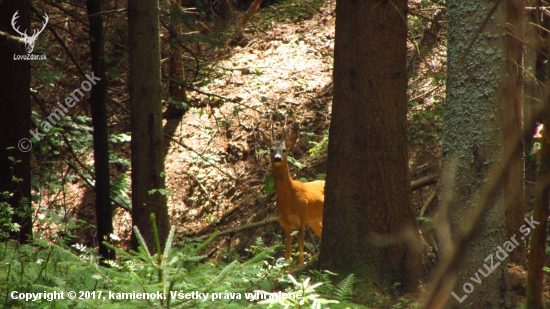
(15, 119)
(103, 206)
(473, 144)
(175, 111)
(148, 183)
(368, 188)
(537, 243)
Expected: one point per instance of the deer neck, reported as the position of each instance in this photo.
(281, 177)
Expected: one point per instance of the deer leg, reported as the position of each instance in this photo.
(246, 18)
(288, 243)
(301, 234)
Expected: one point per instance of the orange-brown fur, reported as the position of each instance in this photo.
(298, 203)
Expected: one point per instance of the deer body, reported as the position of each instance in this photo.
(298, 203)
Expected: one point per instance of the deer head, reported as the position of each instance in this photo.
(29, 40)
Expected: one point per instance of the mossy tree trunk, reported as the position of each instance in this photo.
(473, 143)
(368, 188)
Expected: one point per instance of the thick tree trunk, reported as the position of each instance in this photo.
(145, 98)
(368, 188)
(473, 143)
(103, 207)
(15, 118)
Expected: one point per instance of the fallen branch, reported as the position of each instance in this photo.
(243, 228)
(424, 181)
(226, 214)
(415, 185)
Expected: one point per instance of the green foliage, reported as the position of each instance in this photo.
(269, 184)
(119, 190)
(343, 291)
(405, 303)
(531, 154)
(37, 268)
(320, 176)
(302, 294)
(178, 104)
(178, 278)
(6, 214)
(317, 146)
(294, 162)
(426, 123)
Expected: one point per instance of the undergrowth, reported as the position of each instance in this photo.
(47, 275)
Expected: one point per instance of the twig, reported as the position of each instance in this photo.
(440, 2)
(62, 43)
(425, 93)
(427, 18)
(428, 202)
(200, 185)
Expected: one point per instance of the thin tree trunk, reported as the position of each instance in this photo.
(174, 114)
(515, 178)
(103, 206)
(537, 243)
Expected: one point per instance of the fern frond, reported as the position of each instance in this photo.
(344, 290)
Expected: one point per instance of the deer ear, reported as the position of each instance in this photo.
(291, 140)
(266, 139)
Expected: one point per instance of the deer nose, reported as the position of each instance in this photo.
(277, 158)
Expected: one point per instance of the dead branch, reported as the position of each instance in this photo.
(424, 181)
(243, 228)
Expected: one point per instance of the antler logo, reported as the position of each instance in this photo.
(29, 40)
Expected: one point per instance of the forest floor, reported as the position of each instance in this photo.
(218, 169)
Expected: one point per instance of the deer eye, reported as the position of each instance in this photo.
(284, 150)
(272, 151)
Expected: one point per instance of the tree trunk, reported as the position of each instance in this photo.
(537, 243)
(368, 188)
(103, 206)
(475, 116)
(148, 183)
(15, 119)
(515, 178)
(175, 111)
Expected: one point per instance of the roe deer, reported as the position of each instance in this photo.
(298, 203)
